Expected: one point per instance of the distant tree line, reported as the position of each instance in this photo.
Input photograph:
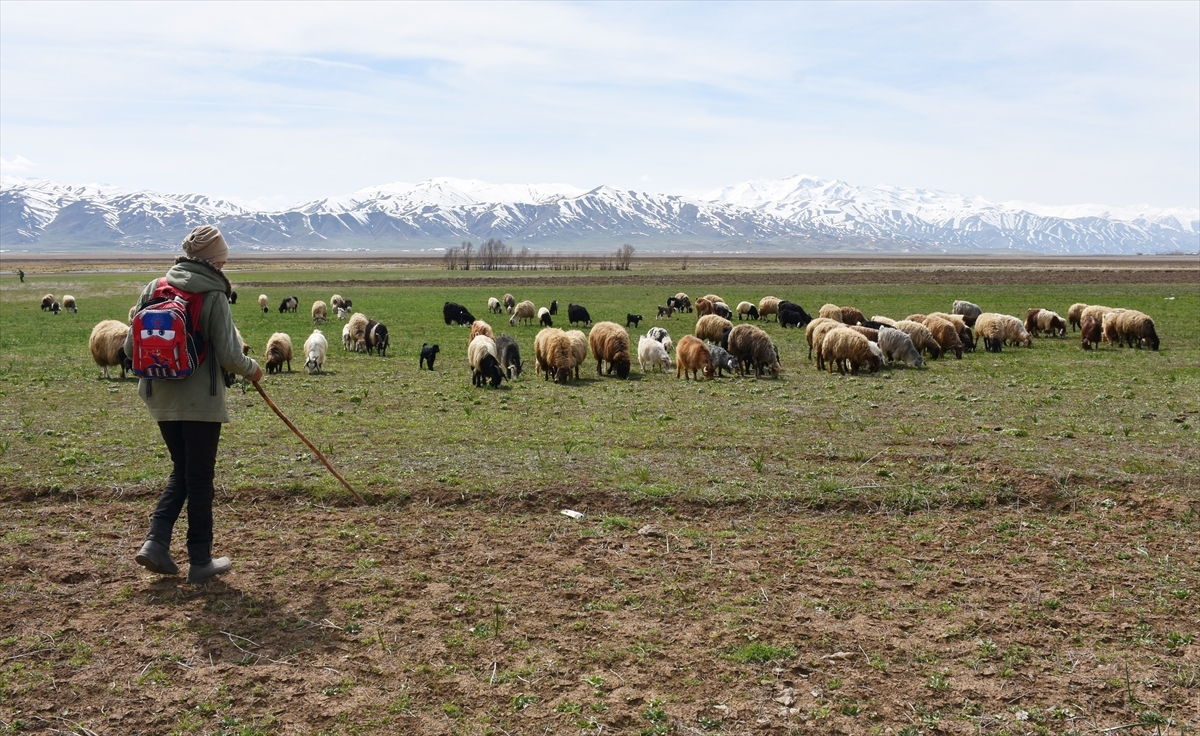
(494, 255)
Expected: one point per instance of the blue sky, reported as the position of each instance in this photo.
(276, 103)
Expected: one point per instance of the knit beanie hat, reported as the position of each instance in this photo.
(206, 244)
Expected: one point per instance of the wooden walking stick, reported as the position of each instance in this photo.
(311, 446)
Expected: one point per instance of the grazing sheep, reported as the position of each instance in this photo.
(1015, 332)
(428, 355)
(683, 302)
(713, 298)
(357, 326)
(921, 337)
(320, 312)
(918, 318)
(554, 354)
(848, 350)
(965, 335)
(578, 313)
(610, 344)
(509, 355)
(47, 301)
(554, 308)
(524, 312)
(652, 354)
(1136, 329)
(1089, 331)
(510, 303)
(54, 307)
(831, 311)
(852, 316)
(767, 306)
(1095, 310)
(316, 347)
(289, 304)
(544, 318)
(691, 357)
(660, 334)
(968, 311)
(946, 335)
(377, 339)
(1031, 320)
(494, 305)
(720, 360)
(457, 313)
(884, 320)
(704, 307)
(792, 313)
(873, 325)
(342, 314)
(721, 309)
(751, 346)
(746, 310)
(262, 302)
(898, 346)
(1048, 321)
(479, 327)
(710, 327)
(997, 329)
(633, 319)
(870, 333)
(665, 312)
(1075, 315)
(279, 351)
(579, 348)
(107, 346)
(347, 340)
(485, 366)
(336, 301)
(68, 304)
(815, 333)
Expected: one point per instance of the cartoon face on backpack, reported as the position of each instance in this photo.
(166, 339)
(158, 326)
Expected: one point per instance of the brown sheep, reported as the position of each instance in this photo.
(1136, 329)
(867, 332)
(947, 337)
(553, 354)
(852, 316)
(279, 351)
(818, 336)
(703, 307)
(997, 329)
(579, 348)
(691, 357)
(812, 328)
(479, 327)
(922, 338)
(1089, 331)
(768, 305)
(848, 350)
(1031, 320)
(965, 334)
(1075, 315)
(610, 344)
(713, 299)
(357, 328)
(1095, 310)
(751, 346)
(710, 327)
(1048, 321)
(918, 318)
(831, 311)
(510, 303)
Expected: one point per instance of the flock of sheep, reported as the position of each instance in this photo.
(838, 337)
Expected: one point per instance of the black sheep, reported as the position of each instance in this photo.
(377, 337)
(428, 355)
(793, 307)
(791, 318)
(544, 318)
(752, 313)
(54, 307)
(489, 370)
(634, 318)
(874, 325)
(723, 310)
(554, 307)
(453, 312)
(578, 313)
(510, 355)
(233, 297)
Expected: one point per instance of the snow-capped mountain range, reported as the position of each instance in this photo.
(796, 214)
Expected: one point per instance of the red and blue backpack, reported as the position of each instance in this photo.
(167, 341)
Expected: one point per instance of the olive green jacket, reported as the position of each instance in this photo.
(201, 396)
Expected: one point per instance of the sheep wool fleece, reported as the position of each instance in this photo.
(201, 396)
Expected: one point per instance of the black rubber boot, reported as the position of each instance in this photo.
(156, 557)
(211, 569)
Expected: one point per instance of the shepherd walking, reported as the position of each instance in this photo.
(190, 410)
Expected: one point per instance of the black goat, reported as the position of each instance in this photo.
(233, 297)
(489, 370)
(554, 307)
(428, 355)
(633, 318)
(453, 312)
(578, 313)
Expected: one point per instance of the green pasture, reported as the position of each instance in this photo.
(956, 433)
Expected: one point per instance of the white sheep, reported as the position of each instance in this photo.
(107, 345)
(316, 347)
(525, 311)
(320, 311)
(898, 346)
(494, 305)
(347, 339)
(342, 314)
(652, 354)
(262, 302)
(358, 331)
(69, 304)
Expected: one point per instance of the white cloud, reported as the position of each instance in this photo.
(17, 165)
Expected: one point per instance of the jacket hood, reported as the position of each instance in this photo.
(196, 276)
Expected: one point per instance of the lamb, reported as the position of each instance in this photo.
(377, 337)
(320, 312)
(289, 304)
(921, 337)
(68, 303)
(721, 309)
(479, 327)
(660, 334)
(357, 327)
(1048, 321)
(996, 329)
(884, 320)
(554, 354)
(544, 318)
(852, 316)
(457, 313)
(610, 344)
(485, 366)
(946, 335)
(720, 360)
(107, 346)
(494, 305)
(279, 351)
(1136, 329)
(1075, 314)
(704, 307)
(633, 319)
(747, 310)
(1090, 332)
(691, 357)
(524, 312)
(347, 340)
(710, 327)
(47, 301)
(428, 355)
(579, 348)
(665, 312)
(510, 303)
(262, 302)
(831, 311)
(509, 355)
(554, 308)
(652, 354)
(578, 313)
(342, 314)
(316, 347)
(848, 350)
(968, 311)
(898, 346)
(767, 306)
(751, 346)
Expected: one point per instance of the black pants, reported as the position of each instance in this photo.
(193, 448)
